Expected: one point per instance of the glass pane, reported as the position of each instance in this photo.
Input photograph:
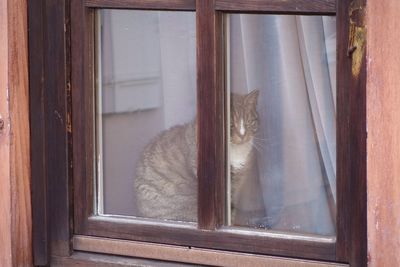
(146, 104)
(282, 153)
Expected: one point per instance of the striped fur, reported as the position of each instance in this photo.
(166, 178)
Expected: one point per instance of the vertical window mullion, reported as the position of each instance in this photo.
(210, 118)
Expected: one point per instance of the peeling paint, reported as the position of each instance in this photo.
(357, 37)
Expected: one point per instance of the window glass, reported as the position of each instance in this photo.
(146, 104)
(281, 79)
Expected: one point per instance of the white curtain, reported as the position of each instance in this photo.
(291, 60)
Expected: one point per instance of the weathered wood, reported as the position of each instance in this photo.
(260, 242)
(352, 147)
(351, 133)
(383, 116)
(187, 254)
(5, 183)
(210, 116)
(343, 142)
(188, 5)
(327, 7)
(83, 115)
(100, 260)
(38, 138)
(49, 72)
(57, 118)
(15, 202)
(211, 154)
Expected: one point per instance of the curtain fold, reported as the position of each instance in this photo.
(290, 59)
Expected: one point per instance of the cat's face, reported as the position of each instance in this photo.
(244, 117)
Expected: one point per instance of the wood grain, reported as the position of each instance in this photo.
(101, 260)
(49, 72)
(327, 7)
(21, 221)
(351, 134)
(5, 178)
(210, 116)
(15, 202)
(38, 133)
(343, 135)
(351, 142)
(261, 242)
(83, 62)
(211, 154)
(188, 5)
(383, 115)
(58, 167)
(186, 254)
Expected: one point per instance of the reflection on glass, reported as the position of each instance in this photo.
(282, 152)
(146, 142)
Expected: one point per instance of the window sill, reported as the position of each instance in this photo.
(170, 253)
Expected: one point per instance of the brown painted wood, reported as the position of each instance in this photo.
(49, 72)
(343, 142)
(261, 242)
(186, 254)
(351, 150)
(82, 47)
(210, 116)
(327, 7)
(38, 133)
(15, 202)
(78, 92)
(57, 124)
(188, 5)
(211, 153)
(383, 116)
(351, 134)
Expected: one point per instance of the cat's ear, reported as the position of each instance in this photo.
(252, 97)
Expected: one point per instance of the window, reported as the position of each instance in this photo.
(147, 72)
(240, 100)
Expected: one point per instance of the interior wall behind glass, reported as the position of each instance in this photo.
(147, 84)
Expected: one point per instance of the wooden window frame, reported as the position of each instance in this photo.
(62, 182)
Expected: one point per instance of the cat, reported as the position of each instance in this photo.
(166, 174)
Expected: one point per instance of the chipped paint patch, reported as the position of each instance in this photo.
(357, 37)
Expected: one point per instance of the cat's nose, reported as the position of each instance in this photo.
(242, 132)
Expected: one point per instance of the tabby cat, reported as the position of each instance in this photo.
(166, 179)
